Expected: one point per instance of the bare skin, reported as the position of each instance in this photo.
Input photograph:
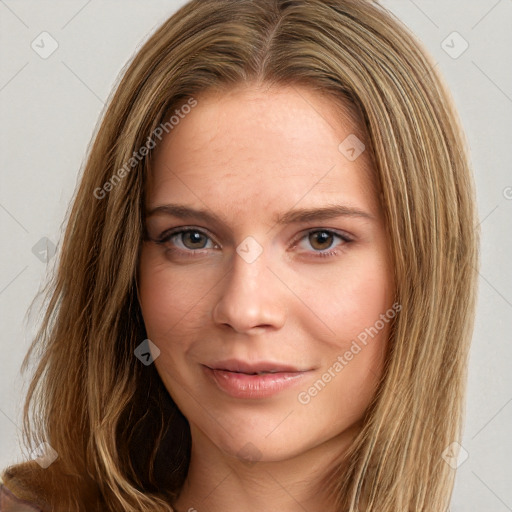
(248, 156)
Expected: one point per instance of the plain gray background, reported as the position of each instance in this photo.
(49, 108)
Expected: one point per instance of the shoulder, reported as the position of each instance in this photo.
(10, 503)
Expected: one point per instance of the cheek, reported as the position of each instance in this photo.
(350, 299)
(172, 304)
(360, 311)
(172, 300)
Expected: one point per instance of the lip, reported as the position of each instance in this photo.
(236, 365)
(234, 378)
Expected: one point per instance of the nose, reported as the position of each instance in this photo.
(252, 298)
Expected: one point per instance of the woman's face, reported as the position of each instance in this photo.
(267, 252)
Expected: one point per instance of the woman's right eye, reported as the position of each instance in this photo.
(187, 239)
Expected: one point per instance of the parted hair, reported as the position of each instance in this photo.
(123, 444)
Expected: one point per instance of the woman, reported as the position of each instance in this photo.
(267, 284)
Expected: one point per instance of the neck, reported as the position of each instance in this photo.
(218, 482)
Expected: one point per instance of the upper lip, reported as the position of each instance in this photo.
(235, 365)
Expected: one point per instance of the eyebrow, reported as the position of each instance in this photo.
(291, 217)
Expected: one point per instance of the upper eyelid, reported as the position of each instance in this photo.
(339, 232)
(168, 233)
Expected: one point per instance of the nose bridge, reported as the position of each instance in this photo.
(250, 296)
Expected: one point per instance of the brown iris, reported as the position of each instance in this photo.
(320, 240)
(194, 239)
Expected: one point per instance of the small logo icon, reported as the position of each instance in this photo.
(249, 249)
(352, 147)
(44, 45)
(44, 250)
(44, 455)
(250, 454)
(455, 455)
(454, 45)
(147, 352)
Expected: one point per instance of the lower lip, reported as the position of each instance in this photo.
(242, 385)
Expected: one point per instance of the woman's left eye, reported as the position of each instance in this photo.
(322, 240)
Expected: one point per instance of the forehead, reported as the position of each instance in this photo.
(254, 146)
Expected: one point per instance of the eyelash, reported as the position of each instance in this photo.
(166, 237)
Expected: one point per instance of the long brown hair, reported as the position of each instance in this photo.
(122, 442)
